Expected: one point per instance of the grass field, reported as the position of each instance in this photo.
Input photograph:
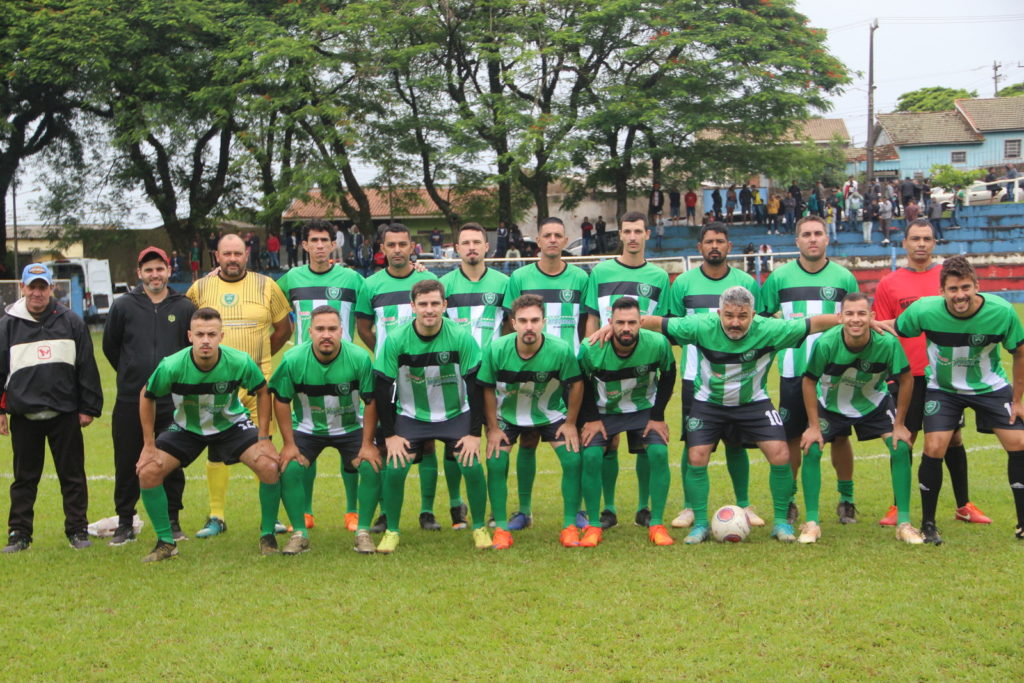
(858, 605)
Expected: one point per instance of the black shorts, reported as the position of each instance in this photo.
(688, 393)
(791, 406)
(634, 425)
(421, 434)
(747, 424)
(871, 426)
(943, 411)
(915, 413)
(226, 447)
(547, 432)
(348, 445)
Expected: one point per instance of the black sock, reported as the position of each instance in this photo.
(929, 476)
(956, 463)
(1015, 473)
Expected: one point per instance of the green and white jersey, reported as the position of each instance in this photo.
(326, 398)
(206, 403)
(694, 292)
(429, 372)
(963, 353)
(385, 300)
(562, 295)
(799, 294)
(624, 385)
(478, 306)
(338, 288)
(610, 280)
(531, 391)
(731, 373)
(853, 383)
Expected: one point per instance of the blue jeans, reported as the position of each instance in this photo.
(437, 251)
(273, 257)
(586, 246)
(790, 221)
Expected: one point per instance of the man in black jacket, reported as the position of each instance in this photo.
(143, 327)
(51, 390)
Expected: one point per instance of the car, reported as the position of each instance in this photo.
(611, 243)
(979, 194)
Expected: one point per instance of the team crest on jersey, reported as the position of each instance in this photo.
(749, 355)
(932, 407)
(694, 423)
(566, 295)
(644, 289)
(828, 293)
(344, 388)
(443, 357)
(229, 299)
(221, 387)
(171, 317)
(865, 365)
(502, 425)
(642, 370)
(978, 339)
(541, 377)
(784, 414)
(334, 292)
(824, 425)
(490, 298)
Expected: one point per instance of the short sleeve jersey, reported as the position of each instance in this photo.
(963, 353)
(895, 292)
(338, 288)
(562, 295)
(531, 391)
(854, 383)
(734, 372)
(326, 398)
(478, 306)
(249, 308)
(385, 300)
(611, 280)
(429, 372)
(624, 385)
(799, 294)
(206, 402)
(694, 292)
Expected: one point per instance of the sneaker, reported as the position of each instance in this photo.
(16, 542)
(162, 551)
(753, 519)
(792, 513)
(931, 533)
(491, 524)
(810, 532)
(482, 539)
(388, 542)
(582, 520)
(380, 526)
(570, 537)
(310, 520)
(214, 526)
(268, 544)
(1018, 532)
(502, 539)
(519, 521)
(123, 534)
(890, 517)
(847, 512)
(885, 243)
(698, 534)
(658, 535)
(296, 544)
(351, 521)
(281, 528)
(591, 537)
(428, 522)
(459, 513)
(178, 534)
(364, 544)
(970, 513)
(642, 518)
(684, 519)
(783, 532)
(908, 534)
(608, 519)
(79, 540)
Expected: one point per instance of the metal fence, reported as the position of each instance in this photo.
(10, 291)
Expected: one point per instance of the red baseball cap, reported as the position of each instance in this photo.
(153, 250)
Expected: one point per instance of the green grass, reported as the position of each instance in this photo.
(856, 605)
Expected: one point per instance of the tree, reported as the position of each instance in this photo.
(944, 175)
(1015, 90)
(935, 98)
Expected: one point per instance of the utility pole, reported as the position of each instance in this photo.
(996, 66)
(14, 215)
(870, 170)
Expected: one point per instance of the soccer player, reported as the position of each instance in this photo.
(426, 389)
(698, 291)
(895, 292)
(320, 387)
(809, 285)
(845, 388)
(628, 384)
(626, 275)
(322, 283)
(203, 381)
(964, 329)
(254, 313)
(532, 383)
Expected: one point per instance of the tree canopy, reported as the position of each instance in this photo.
(935, 98)
(1015, 90)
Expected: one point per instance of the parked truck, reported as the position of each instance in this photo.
(93, 274)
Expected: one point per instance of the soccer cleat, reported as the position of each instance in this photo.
(459, 513)
(591, 537)
(16, 542)
(351, 521)
(608, 519)
(753, 519)
(570, 537)
(214, 526)
(310, 520)
(502, 539)
(890, 517)
(281, 528)
(519, 521)
(380, 526)
(482, 539)
(642, 518)
(79, 540)
(971, 513)
(428, 522)
(123, 534)
(162, 551)
(364, 544)
(684, 519)
(792, 513)
(847, 512)
(931, 533)
(810, 532)
(908, 534)
(783, 532)
(268, 544)
(1019, 532)
(177, 533)
(698, 534)
(582, 520)
(388, 542)
(491, 524)
(658, 535)
(296, 544)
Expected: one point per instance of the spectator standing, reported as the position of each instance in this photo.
(674, 203)
(774, 208)
(659, 234)
(884, 217)
(1011, 187)
(600, 227)
(586, 229)
(291, 244)
(990, 178)
(691, 207)
(655, 203)
(935, 218)
(789, 208)
(211, 247)
(502, 242)
(854, 205)
(912, 211)
(273, 252)
(436, 240)
(730, 203)
(339, 245)
(194, 255)
(745, 201)
(757, 204)
(870, 215)
(716, 203)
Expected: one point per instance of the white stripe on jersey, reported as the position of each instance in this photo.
(403, 315)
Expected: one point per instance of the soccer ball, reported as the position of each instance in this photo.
(730, 525)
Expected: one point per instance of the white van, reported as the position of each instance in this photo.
(94, 276)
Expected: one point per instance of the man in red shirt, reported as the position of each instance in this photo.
(690, 199)
(895, 292)
(273, 251)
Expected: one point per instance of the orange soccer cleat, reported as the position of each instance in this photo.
(570, 537)
(502, 539)
(591, 537)
(971, 513)
(659, 535)
(890, 517)
(351, 521)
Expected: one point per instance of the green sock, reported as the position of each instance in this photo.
(497, 489)
(845, 488)
(351, 482)
(698, 487)
(683, 465)
(393, 492)
(810, 475)
(609, 475)
(780, 481)
(308, 479)
(657, 456)
(572, 471)
(899, 457)
(428, 481)
(369, 494)
(593, 470)
(293, 493)
(738, 464)
(526, 472)
(643, 481)
(476, 491)
(155, 502)
(270, 502)
(453, 478)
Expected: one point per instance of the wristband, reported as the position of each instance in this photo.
(264, 438)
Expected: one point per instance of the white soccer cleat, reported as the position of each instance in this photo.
(684, 519)
(810, 532)
(908, 534)
(752, 517)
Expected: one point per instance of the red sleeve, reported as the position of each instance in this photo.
(885, 308)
